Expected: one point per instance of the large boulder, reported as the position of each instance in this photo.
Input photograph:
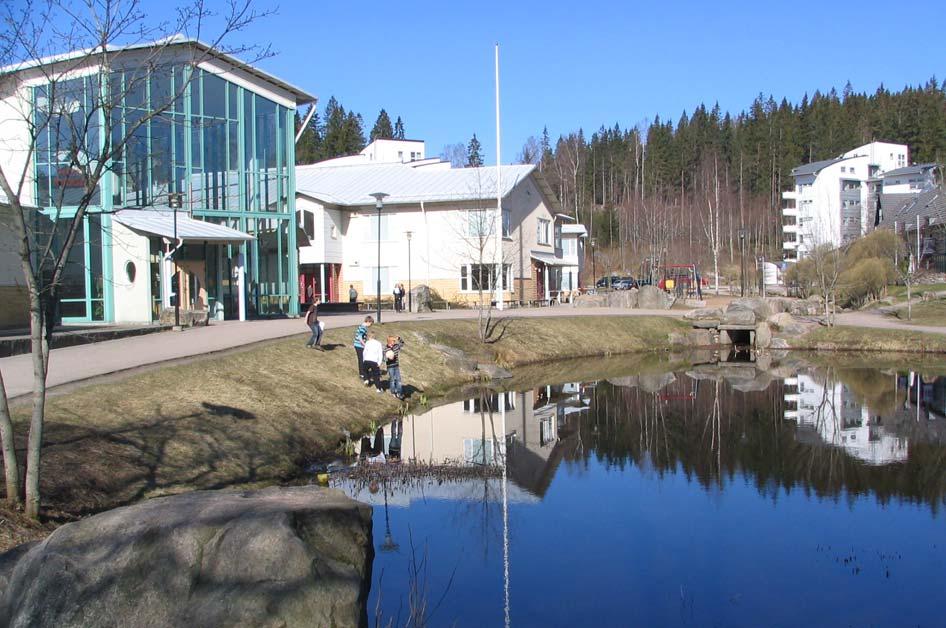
(623, 298)
(704, 314)
(278, 557)
(591, 300)
(763, 335)
(757, 305)
(738, 317)
(421, 299)
(653, 298)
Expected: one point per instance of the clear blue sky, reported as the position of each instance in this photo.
(571, 64)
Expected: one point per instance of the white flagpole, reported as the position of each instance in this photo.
(499, 199)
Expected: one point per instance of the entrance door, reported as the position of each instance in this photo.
(540, 281)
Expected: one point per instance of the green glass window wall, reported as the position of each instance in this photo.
(228, 150)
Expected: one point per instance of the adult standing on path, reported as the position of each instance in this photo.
(312, 320)
(399, 297)
(352, 294)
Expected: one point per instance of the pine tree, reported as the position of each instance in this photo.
(399, 129)
(382, 129)
(309, 147)
(334, 141)
(474, 154)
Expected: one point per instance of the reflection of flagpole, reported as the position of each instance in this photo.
(502, 402)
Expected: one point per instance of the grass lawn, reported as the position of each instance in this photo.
(900, 292)
(925, 313)
(843, 338)
(257, 415)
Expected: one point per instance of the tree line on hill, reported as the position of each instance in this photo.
(337, 132)
(681, 192)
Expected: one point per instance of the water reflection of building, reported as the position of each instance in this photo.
(539, 426)
(831, 413)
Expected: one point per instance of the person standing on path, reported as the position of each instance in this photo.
(373, 355)
(361, 335)
(312, 320)
(398, 296)
(391, 354)
(352, 294)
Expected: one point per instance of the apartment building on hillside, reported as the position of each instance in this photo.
(835, 201)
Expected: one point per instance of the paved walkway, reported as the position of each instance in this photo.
(75, 364)
(877, 320)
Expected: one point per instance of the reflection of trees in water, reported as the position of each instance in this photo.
(712, 433)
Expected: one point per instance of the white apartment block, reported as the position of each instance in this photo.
(833, 201)
(830, 412)
(438, 227)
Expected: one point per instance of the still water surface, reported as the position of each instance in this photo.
(702, 498)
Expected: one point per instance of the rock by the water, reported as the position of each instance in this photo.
(277, 557)
(703, 314)
(757, 305)
(763, 335)
(653, 298)
(493, 371)
(739, 317)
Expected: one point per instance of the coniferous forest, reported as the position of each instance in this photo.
(336, 132)
(677, 190)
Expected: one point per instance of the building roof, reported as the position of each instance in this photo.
(904, 209)
(576, 229)
(301, 97)
(161, 223)
(352, 185)
(816, 166)
(914, 169)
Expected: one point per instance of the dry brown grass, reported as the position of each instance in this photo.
(843, 338)
(257, 415)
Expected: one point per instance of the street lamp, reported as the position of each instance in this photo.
(175, 202)
(742, 261)
(594, 270)
(379, 205)
(410, 301)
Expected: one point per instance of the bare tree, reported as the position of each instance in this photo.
(531, 152)
(711, 218)
(456, 154)
(78, 107)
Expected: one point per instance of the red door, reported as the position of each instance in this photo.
(540, 281)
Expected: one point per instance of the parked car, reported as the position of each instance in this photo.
(607, 282)
(624, 283)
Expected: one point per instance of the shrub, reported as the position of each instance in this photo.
(866, 280)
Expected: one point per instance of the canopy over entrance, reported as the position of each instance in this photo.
(161, 223)
(548, 259)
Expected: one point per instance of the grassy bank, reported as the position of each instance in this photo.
(257, 415)
(932, 313)
(841, 338)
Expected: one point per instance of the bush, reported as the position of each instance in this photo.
(866, 280)
(803, 277)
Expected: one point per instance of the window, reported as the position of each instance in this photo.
(334, 232)
(400, 155)
(543, 231)
(507, 223)
(476, 277)
(569, 247)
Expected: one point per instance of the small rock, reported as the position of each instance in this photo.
(493, 371)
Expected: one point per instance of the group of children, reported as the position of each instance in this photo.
(372, 355)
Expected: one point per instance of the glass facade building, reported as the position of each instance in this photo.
(227, 150)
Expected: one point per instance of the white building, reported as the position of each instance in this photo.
(831, 413)
(834, 201)
(914, 179)
(380, 151)
(438, 227)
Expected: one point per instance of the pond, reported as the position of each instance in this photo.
(711, 496)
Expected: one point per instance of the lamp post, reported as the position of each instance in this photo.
(742, 262)
(379, 205)
(410, 300)
(594, 269)
(175, 201)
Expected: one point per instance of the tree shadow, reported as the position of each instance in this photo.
(496, 329)
(236, 413)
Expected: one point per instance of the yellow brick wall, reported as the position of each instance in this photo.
(14, 306)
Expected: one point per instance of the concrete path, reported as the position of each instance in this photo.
(877, 320)
(75, 364)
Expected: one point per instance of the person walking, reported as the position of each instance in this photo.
(361, 335)
(398, 297)
(352, 294)
(392, 354)
(373, 355)
(312, 320)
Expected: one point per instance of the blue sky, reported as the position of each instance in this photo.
(571, 64)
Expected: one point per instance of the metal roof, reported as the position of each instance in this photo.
(548, 258)
(579, 229)
(301, 97)
(914, 169)
(816, 166)
(904, 209)
(161, 223)
(352, 185)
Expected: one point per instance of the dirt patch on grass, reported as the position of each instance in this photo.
(259, 415)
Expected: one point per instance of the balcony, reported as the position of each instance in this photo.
(790, 245)
(790, 195)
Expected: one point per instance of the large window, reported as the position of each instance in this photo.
(372, 224)
(476, 277)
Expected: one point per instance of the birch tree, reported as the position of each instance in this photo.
(89, 135)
